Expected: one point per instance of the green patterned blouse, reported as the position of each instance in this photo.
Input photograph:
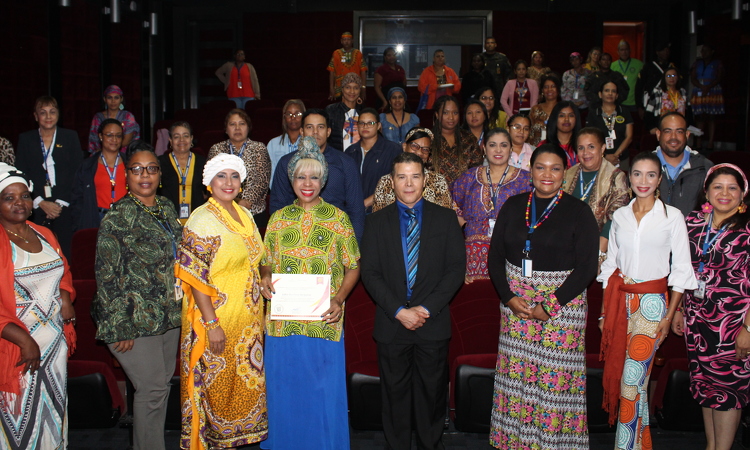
(135, 272)
(318, 241)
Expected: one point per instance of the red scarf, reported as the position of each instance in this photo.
(615, 334)
(10, 374)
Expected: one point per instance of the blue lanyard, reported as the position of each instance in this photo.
(588, 189)
(112, 174)
(242, 149)
(494, 193)
(534, 222)
(46, 152)
(708, 241)
(184, 175)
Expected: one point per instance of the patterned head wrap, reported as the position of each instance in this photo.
(417, 130)
(308, 149)
(10, 175)
(393, 90)
(351, 77)
(220, 162)
(575, 55)
(113, 89)
(346, 34)
(730, 166)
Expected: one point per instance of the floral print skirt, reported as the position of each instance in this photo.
(540, 382)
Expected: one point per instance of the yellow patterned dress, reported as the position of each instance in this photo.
(223, 396)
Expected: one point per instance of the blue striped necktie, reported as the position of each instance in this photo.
(412, 247)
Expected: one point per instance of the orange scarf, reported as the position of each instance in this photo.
(615, 334)
(10, 374)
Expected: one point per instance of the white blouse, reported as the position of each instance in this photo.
(642, 251)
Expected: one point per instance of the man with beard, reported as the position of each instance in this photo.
(683, 169)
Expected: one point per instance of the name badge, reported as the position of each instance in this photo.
(178, 292)
(544, 134)
(626, 77)
(610, 143)
(492, 227)
(526, 267)
(700, 293)
(612, 134)
(575, 95)
(47, 191)
(184, 210)
(239, 84)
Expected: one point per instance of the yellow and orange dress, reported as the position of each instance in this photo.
(223, 396)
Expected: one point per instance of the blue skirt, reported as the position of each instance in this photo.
(306, 389)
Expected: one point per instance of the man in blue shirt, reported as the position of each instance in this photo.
(343, 188)
(413, 262)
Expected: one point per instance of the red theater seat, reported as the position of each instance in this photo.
(83, 254)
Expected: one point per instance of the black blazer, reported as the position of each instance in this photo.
(170, 181)
(442, 266)
(67, 156)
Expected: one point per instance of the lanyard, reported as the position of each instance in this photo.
(585, 194)
(481, 138)
(46, 152)
(164, 224)
(494, 193)
(183, 175)
(112, 174)
(531, 220)
(242, 149)
(708, 241)
(625, 70)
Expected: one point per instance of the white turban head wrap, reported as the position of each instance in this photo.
(10, 175)
(221, 162)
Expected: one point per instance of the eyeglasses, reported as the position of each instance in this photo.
(137, 170)
(290, 115)
(671, 75)
(418, 148)
(519, 127)
(367, 124)
(486, 97)
(113, 136)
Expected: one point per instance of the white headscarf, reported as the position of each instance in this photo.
(10, 175)
(220, 162)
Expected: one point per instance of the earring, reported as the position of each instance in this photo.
(122, 106)
(657, 193)
(127, 188)
(208, 188)
(240, 189)
(359, 100)
(159, 184)
(742, 208)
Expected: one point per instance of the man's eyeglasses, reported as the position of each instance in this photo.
(137, 170)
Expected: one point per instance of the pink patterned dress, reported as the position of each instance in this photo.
(717, 379)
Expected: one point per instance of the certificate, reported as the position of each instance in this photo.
(300, 296)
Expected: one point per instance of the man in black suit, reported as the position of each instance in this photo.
(53, 177)
(413, 262)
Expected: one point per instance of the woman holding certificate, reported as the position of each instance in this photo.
(307, 405)
(223, 386)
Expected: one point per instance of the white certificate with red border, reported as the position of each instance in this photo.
(300, 296)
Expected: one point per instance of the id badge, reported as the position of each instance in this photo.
(526, 267)
(47, 191)
(625, 77)
(612, 134)
(492, 227)
(178, 292)
(610, 143)
(184, 210)
(700, 292)
(575, 95)
(239, 84)
(544, 134)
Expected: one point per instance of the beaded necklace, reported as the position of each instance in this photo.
(546, 213)
(161, 219)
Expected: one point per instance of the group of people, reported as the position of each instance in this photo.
(183, 268)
